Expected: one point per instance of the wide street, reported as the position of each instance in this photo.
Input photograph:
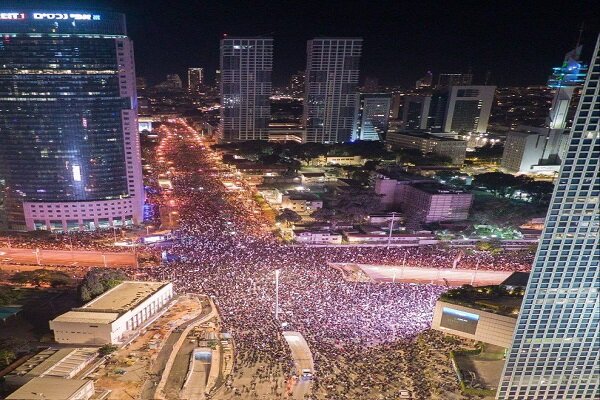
(81, 258)
(226, 250)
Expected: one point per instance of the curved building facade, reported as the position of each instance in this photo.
(69, 148)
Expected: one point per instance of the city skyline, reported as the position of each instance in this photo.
(401, 42)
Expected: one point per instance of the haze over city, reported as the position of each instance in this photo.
(299, 200)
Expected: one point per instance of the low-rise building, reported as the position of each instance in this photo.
(302, 203)
(113, 316)
(312, 177)
(392, 188)
(425, 142)
(474, 323)
(59, 363)
(52, 388)
(431, 202)
(318, 237)
(382, 237)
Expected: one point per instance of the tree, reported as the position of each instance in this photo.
(107, 349)
(98, 281)
(288, 216)
(354, 204)
(6, 357)
(324, 214)
(498, 182)
(42, 277)
(540, 191)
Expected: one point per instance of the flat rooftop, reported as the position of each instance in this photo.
(48, 388)
(123, 297)
(437, 188)
(426, 135)
(92, 317)
(55, 362)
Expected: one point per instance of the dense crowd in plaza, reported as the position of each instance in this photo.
(227, 251)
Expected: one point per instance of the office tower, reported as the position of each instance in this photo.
(331, 79)
(446, 80)
(297, 85)
(415, 112)
(564, 80)
(69, 145)
(372, 116)
(195, 79)
(174, 81)
(397, 99)
(533, 150)
(539, 150)
(246, 65)
(468, 109)
(556, 343)
(424, 82)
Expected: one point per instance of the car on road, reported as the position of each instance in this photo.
(307, 374)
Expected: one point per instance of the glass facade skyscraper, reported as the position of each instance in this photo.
(332, 72)
(245, 85)
(69, 149)
(555, 351)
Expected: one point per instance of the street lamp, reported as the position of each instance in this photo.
(277, 272)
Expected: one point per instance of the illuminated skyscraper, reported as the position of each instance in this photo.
(556, 347)
(332, 70)
(245, 85)
(372, 116)
(69, 146)
(195, 79)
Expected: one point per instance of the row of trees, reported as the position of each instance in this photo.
(98, 281)
(506, 185)
(42, 277)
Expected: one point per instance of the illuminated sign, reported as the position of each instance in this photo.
(66, 16)
(11, 15)
(459, 320)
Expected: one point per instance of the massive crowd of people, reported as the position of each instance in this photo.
(225, 249)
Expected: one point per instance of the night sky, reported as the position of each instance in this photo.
(518, 41)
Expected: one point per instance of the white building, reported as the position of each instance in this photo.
(59, 363)
(318, 237)
(113, 316)
(392, 189)
(301, 203)
(469, 108)
(530, 150)
(52, 388)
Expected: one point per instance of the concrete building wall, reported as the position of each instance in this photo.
(491, 328)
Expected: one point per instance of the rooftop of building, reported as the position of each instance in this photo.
(55, 362)
(123, 297)
(437, 188)
(48, 388)
(403, 176)
(423, 135)
(496, 299)
(92, 317)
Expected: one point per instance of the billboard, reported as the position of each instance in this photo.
(459, 320)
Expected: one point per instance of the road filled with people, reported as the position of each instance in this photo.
(362, 334)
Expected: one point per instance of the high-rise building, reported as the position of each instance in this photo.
(446, 80)
(195, 79)
(458, 109)
(531, 150)
(69, 145)
(246, 65)
(468, 108)
(564, 80)
(296, 89)
(556, 344)
(372, 116)
(539, 150)
(415, 112)
(425, 82)
(332, 70)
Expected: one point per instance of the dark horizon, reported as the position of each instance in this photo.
(518, 43)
